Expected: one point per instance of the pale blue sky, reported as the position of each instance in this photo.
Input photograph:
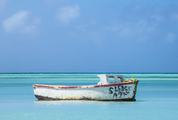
(88, 36)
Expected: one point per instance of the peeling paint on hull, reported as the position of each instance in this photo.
(125, 91)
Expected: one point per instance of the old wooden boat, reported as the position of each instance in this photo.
(109, 88)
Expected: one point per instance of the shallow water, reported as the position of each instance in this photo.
(157, 98)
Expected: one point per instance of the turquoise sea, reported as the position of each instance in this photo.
(157, 99)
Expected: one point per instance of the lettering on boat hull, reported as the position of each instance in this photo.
(120, 91)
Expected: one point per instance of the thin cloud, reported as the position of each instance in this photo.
(139, 31)
(22, 21)
(3, 4)
(171, 37)
(67, 14)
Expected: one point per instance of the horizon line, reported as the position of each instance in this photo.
(88, 72)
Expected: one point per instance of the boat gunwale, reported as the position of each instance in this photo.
(84, 86)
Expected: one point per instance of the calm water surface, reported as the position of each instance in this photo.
(157, 99)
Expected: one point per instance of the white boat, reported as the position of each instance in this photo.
(109, 88)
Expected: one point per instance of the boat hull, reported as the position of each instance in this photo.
(110, 92)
